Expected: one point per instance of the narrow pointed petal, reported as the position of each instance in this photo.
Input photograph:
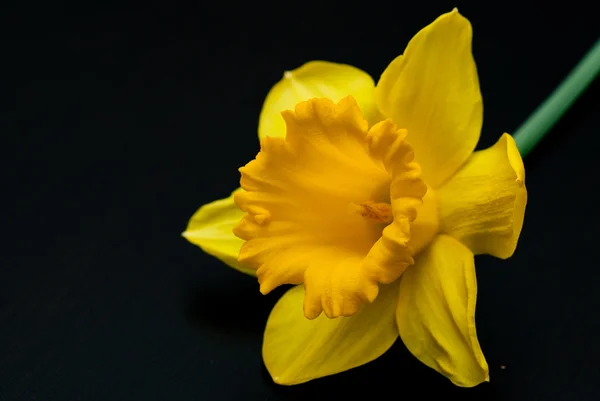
(296, 350)
(436, 312)
(433, 92)
(211, 228)
(315, 79)
(483, 204)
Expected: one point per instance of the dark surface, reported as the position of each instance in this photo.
(121, 122)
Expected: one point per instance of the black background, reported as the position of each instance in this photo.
(121, 120)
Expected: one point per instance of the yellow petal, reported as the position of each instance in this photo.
(436, 312)
(296, 350)
(315, 79)
(319, 211)
(483, 204)
(211, 228)
(426, 226)
(433, 92)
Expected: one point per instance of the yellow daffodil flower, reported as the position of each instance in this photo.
(373, 198)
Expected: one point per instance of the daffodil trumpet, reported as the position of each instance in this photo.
(371, 200)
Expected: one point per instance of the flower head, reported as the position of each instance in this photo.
(330, 206)
(372, 198)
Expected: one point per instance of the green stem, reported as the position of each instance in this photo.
(559, 101)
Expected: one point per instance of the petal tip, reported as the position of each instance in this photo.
(456, 14)
(514, 158)
(286, 381)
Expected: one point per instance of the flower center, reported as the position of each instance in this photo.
(379, 212)
(307, 218)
